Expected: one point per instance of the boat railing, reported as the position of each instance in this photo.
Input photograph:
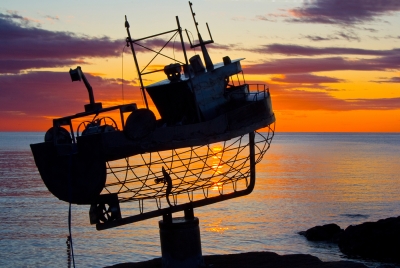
(257, 92)
(90, 122)
(248, 92)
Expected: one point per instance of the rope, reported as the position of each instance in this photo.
(70, 248)
(122, 79)
(68, 242)
(194, 49)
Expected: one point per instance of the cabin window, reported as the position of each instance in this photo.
(235, 80)
(236, 88)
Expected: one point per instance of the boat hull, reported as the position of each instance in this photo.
(74, 176)
(76, 173)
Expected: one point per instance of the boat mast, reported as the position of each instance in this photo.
(202, 44)
(182, 43)
(130, 43)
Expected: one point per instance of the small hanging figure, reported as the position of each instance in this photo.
(166, 179)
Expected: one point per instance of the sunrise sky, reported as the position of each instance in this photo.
(331, 65)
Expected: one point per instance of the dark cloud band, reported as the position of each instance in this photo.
(343, 12)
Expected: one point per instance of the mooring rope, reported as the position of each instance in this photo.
(68, 242)
(122, 78)
(70, 248)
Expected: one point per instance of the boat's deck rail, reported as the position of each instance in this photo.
(248, 92)
(257, 92)
(68, 120)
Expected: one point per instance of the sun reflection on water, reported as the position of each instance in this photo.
(217, 186)
(217, 159)
(217, 227)
(217, 166)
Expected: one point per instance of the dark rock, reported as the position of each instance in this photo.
(328, 232)
(256, 260)
(373, 240)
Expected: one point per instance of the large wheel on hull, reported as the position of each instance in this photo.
(61, 134)
(140, 123)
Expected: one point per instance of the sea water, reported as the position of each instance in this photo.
(305, 179)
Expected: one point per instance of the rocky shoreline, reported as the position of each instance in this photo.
(377, 241)
(255, 260)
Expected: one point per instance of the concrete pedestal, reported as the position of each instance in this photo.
(180, 243)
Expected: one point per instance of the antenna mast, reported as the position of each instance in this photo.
(202, 44)
(130, 43)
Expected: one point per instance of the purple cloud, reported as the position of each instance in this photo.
(27, 43)
(51, 17)
(295, 50)
(371, 30)
(13, 15)
(391, 37)
(158, 43)
(317, 38)
(54, 94)
(25, 47)
(15, 66)
(29, 47)
(304, 78)
(375, 104)
(349, 36)
(265, 18)
(388, 80)
(343, 12)
(309, 65)
(285, 98)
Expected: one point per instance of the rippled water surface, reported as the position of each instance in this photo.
(304, 180)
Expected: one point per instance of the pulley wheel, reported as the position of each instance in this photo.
(140, 123)
(63, 136)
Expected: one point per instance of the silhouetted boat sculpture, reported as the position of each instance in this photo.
(206, 112)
